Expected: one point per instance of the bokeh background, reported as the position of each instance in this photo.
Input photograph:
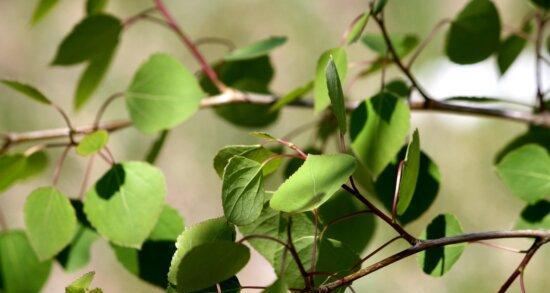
(463, 147)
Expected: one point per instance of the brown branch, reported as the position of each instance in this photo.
(434, 243)
(364, 259)
(541, 23)
(521, 267)
(206, 68)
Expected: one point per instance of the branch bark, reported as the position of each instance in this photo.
(521, 267)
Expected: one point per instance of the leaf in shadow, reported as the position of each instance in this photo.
(109, 184)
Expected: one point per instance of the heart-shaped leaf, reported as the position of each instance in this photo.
(92, 143)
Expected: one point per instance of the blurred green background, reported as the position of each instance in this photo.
(463, 147)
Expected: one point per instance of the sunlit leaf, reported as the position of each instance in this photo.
(203, 232)
(526, 171)
(336, 95)
(42, 9)
(169, 226)
(81, 284)
(279, 286)
(252, 152)
(313, 183)
(77, 254)
(163, 94)
(409, 175)
(474, 34)
(27, 90)
(92, 143)
(378, 128)
(437, 261)
(209, 263)
(242, 190)
(320, 91)
(357, 28)
(256, 49)
(125, 204)
(95, 6)
(50, 221)
(292, 96)
(20, 269)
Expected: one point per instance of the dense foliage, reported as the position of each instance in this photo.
(315, 227)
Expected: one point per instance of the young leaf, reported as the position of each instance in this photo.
(427, 187)
(94, 37)
(438, 261)
(474, 34)
(163, 94)
(251, 75)
(242, 190)
(27, 90)
(263, 135)
(357, 28)
(20, 269)
(77, 254)
(203, 232)
(279, 286)
(535, 216)
(81, 284)
(92, 143)
(409, 176)
(125, 204)
(378, 128)
(526, 171)
(336, 95)
(169, 225)
(403, 44)
(50, 220)
(320, 91)
(210, 263)
(314, 183)
(253, 152)
(42, 9)
(292, 96)
(256, 49)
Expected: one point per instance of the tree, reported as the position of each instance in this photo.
(307, 228)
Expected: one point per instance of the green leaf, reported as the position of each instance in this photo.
(544, 4)
(509, 51)
(20, 269)
(332, 256)
(438, 261)
(336, 95)
(35, 163)
(27, 90)
(357, 28)
(409, 176)
(169, 225)
(378, 6)
(230, 285)
(156, 147)
(399, 88)
(94, 37)
(50, 221)
(403, 44)
(378, 128)
(295, 163)
(320, 91)
(242, 190)
(427, 187)
(91, 77)
(314, 183)
(256, 49)
(534, 135)
(292, 96)
(345, 231)
(526, 171)
(203, 232)
(210, 263)
(42, 9)
(279, 286)
(253, 152)
(125, 204)
(11, 168)
(251, 75)
(77, 254)
(163, 94)
(474, 34)
(92, 143)
(95, 6)
(81, 284)
(535, 216)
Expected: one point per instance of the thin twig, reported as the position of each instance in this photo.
(538, 62)
(364, 259)
(342, 218)
(191, 46)
(427, 40)
(501, 247)
(59, 165)
(524, 262)
(86, 178)
(295, 255)
(215, 40)
(103, 107)
(130, 20)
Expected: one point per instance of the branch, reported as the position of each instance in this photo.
(521, 267)
(544, 235)
(541, 23)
